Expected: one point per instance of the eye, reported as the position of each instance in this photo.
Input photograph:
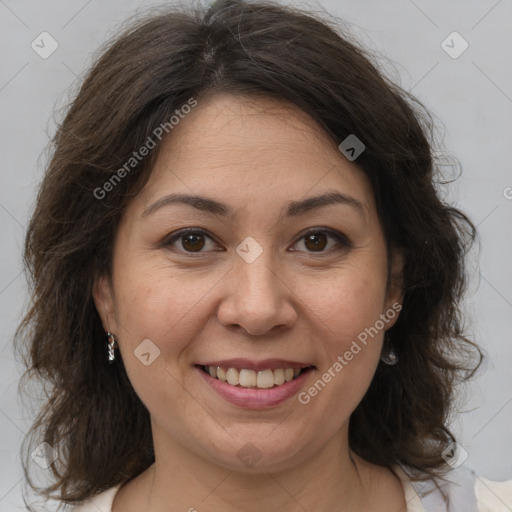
(192, 240)
(316, 240)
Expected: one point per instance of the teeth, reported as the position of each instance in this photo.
(279, 376)
(221, 373)
(247, 379)
(262, 379)
(265, 379)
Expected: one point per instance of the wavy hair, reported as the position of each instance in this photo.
(91, 415)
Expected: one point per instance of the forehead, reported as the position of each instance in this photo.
(245, 149)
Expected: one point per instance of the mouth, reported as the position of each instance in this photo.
(267, 378)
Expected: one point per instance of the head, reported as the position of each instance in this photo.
(292, 296)
(245, 104)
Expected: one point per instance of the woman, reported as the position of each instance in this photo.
(246, 287)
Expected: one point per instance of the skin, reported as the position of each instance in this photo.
(295, 301)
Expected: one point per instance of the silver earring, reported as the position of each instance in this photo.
(388, 355)
(111, 346)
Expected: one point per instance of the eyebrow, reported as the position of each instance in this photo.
(292, 209)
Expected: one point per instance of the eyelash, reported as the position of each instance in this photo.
(341, 239)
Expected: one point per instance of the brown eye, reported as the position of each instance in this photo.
(193, 242)
(188, 241)
(318, 241)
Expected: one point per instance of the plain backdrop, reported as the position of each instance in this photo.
(470, 94)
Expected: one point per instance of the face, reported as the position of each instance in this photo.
(265, 278)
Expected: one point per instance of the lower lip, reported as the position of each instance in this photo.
(255, 398)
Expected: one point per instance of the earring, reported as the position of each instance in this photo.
(111, 346)
(388, 356)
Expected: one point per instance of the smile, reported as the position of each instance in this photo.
(247, 378)
(252, 384)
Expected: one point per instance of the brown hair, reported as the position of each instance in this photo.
(91, 415)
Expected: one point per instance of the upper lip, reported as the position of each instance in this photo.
(271, 364)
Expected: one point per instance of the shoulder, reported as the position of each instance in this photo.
(100, 503)
(493, 496)
(467, 492)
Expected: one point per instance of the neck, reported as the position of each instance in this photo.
(333, 479)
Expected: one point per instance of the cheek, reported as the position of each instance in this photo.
(162, 305)
(352, 311)
(346, 306)
(350, 345)
(350, 332)
(164, 310)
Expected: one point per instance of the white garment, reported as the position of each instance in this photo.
(470, 493)
(467, 491)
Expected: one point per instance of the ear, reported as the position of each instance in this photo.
(395, 292)
(103, 297)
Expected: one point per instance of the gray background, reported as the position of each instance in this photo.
(470, 95)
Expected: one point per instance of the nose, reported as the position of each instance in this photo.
(256, 297)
